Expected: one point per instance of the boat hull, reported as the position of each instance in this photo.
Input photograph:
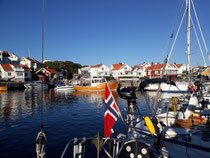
(64, 88)
(3, 88)
(100, 87)
(179, 88)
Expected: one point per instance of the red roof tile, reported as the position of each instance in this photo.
(117, 66)
(52, 71)
(26, 68)
(32, 60)
(5, 53)
(155, 67)
(7, 67)
(18, 65)
(96, 66)
(179, 65)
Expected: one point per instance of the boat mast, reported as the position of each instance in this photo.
(188, 40)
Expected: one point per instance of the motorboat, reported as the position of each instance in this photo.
(36, 84)
(97, 84)
(63, 86)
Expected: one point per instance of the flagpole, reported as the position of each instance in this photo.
(115, 102)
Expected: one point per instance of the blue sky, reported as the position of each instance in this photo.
(91, 32)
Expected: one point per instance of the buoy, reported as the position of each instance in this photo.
(149, 124)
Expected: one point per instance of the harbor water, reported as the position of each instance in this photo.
(66, 114)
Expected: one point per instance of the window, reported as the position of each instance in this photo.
(19, 73)
(9, 73)
(156, 73)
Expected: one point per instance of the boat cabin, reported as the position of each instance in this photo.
(96, 81)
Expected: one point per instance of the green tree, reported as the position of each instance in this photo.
(69, 67)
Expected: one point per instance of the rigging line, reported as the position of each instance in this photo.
(198, 42)
(169, 42)
(199, 26)
(178, 16)
(176, 34)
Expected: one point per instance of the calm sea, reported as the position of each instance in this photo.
(66, 115)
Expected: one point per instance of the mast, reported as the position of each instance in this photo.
(188, 40)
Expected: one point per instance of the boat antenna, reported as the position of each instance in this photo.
(41, 138)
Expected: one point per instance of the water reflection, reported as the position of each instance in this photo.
(94, 97)
(14, 104)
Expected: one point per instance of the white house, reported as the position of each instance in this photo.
(4, 57)
(99, 70)
(15, 72)
(140, 69)
(84, 70)
(19, 72)
(181, 68)
(14, 59)
(31, 63)
(45, 60)
(28, 75)
(122, 71)
(6, 72)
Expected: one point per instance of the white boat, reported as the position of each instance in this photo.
(64, 87)
(151, 87)
(181, 87)
(36, 84)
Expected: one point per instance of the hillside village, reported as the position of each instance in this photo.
(13, 68)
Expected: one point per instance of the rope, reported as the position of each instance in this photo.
(198, 42)
(199, 26)
(172, 34)
(177, 34)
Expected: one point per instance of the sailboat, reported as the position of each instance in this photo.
(183, 86)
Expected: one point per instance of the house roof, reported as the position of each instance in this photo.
(18, 65)
(178, 65)
(26, 68)
(7, 67)
(52, 71)
(32, 60)
(5, 53)
(96, 66)
(155, 67)
(117, 66)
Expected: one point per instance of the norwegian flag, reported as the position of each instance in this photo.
(111, 112)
